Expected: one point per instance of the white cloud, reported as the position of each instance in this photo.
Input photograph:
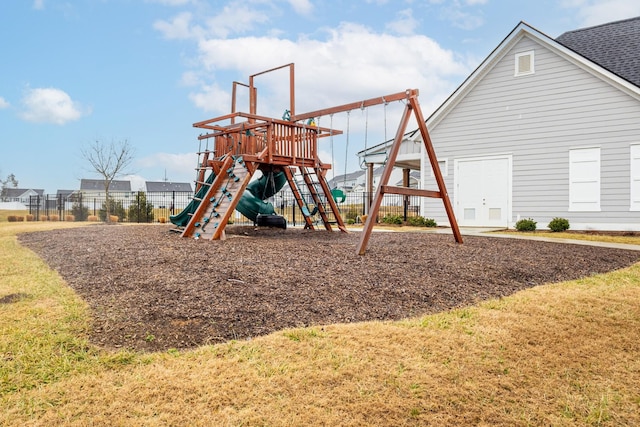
(137, 182)
(462, 18)
(38, 4)
(190, 78)
(404, 23)
(302, 7)
(335, 66)
(177, 167)
(595, 12)
(212, 99)
(344, 67)
(3, 103)
(236, 19)
(50, 105)
(180, 27)
(171, 2)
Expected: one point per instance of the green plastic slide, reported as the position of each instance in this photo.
(251, 203)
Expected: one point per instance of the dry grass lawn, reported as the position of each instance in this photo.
(559, 354)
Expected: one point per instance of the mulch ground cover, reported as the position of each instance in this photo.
(149, 289)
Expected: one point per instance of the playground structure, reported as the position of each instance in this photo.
(285, 151)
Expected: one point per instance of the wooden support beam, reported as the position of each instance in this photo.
(435, 167)
(354, 105)
(389, 189)
(386, 173)
(411, 106)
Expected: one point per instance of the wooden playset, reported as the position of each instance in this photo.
(286, 152)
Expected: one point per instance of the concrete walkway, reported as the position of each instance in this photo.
(494, 232)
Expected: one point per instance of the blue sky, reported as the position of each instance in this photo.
(76, 71)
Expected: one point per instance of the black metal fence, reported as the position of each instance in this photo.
(143, 207)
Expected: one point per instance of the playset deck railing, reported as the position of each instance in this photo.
(265, 140)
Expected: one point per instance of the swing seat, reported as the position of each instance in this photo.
(305, 211)
(338, 195)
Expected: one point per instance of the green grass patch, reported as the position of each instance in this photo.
(559, 354)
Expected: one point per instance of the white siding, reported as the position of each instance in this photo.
(537, 119)
(635, 178)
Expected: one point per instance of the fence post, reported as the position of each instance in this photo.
(293, 213)
(405, 202)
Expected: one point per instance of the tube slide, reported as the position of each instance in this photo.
(251, 204)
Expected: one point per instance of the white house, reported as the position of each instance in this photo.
(544, 128)
(22, 198)
(169, 195)
(95, 187)
(92, 193)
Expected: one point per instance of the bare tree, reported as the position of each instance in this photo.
(109, 160)
(10, 182)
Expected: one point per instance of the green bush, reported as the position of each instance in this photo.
(419, 221)
(415, 221)
(352, 213)
(392, 219)
(527, 224)
(79, 212)
(559, 224)
(141, 210)
(115, 208)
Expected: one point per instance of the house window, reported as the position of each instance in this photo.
(524, 63)
(443, 168)
(635, 178)
(584, 180)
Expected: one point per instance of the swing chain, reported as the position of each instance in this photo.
(346, 153)
(366, 135)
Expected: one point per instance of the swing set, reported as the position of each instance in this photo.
(283, 149)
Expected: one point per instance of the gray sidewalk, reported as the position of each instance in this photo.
(494, 232)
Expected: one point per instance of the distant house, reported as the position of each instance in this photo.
(22, 198)
(21, 195)
(543, 128)
(95, 187)
(92, 195)
(347, 183)
(65, 199)
(355, 182)
(64, 194)
(170, 195)
(414, 180)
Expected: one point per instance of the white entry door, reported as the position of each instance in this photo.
(483, 188)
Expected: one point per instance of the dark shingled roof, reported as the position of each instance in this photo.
(18, 192)
(614, 46)
(98, 185)
(163, 186)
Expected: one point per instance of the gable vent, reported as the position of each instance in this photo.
(524, 63)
